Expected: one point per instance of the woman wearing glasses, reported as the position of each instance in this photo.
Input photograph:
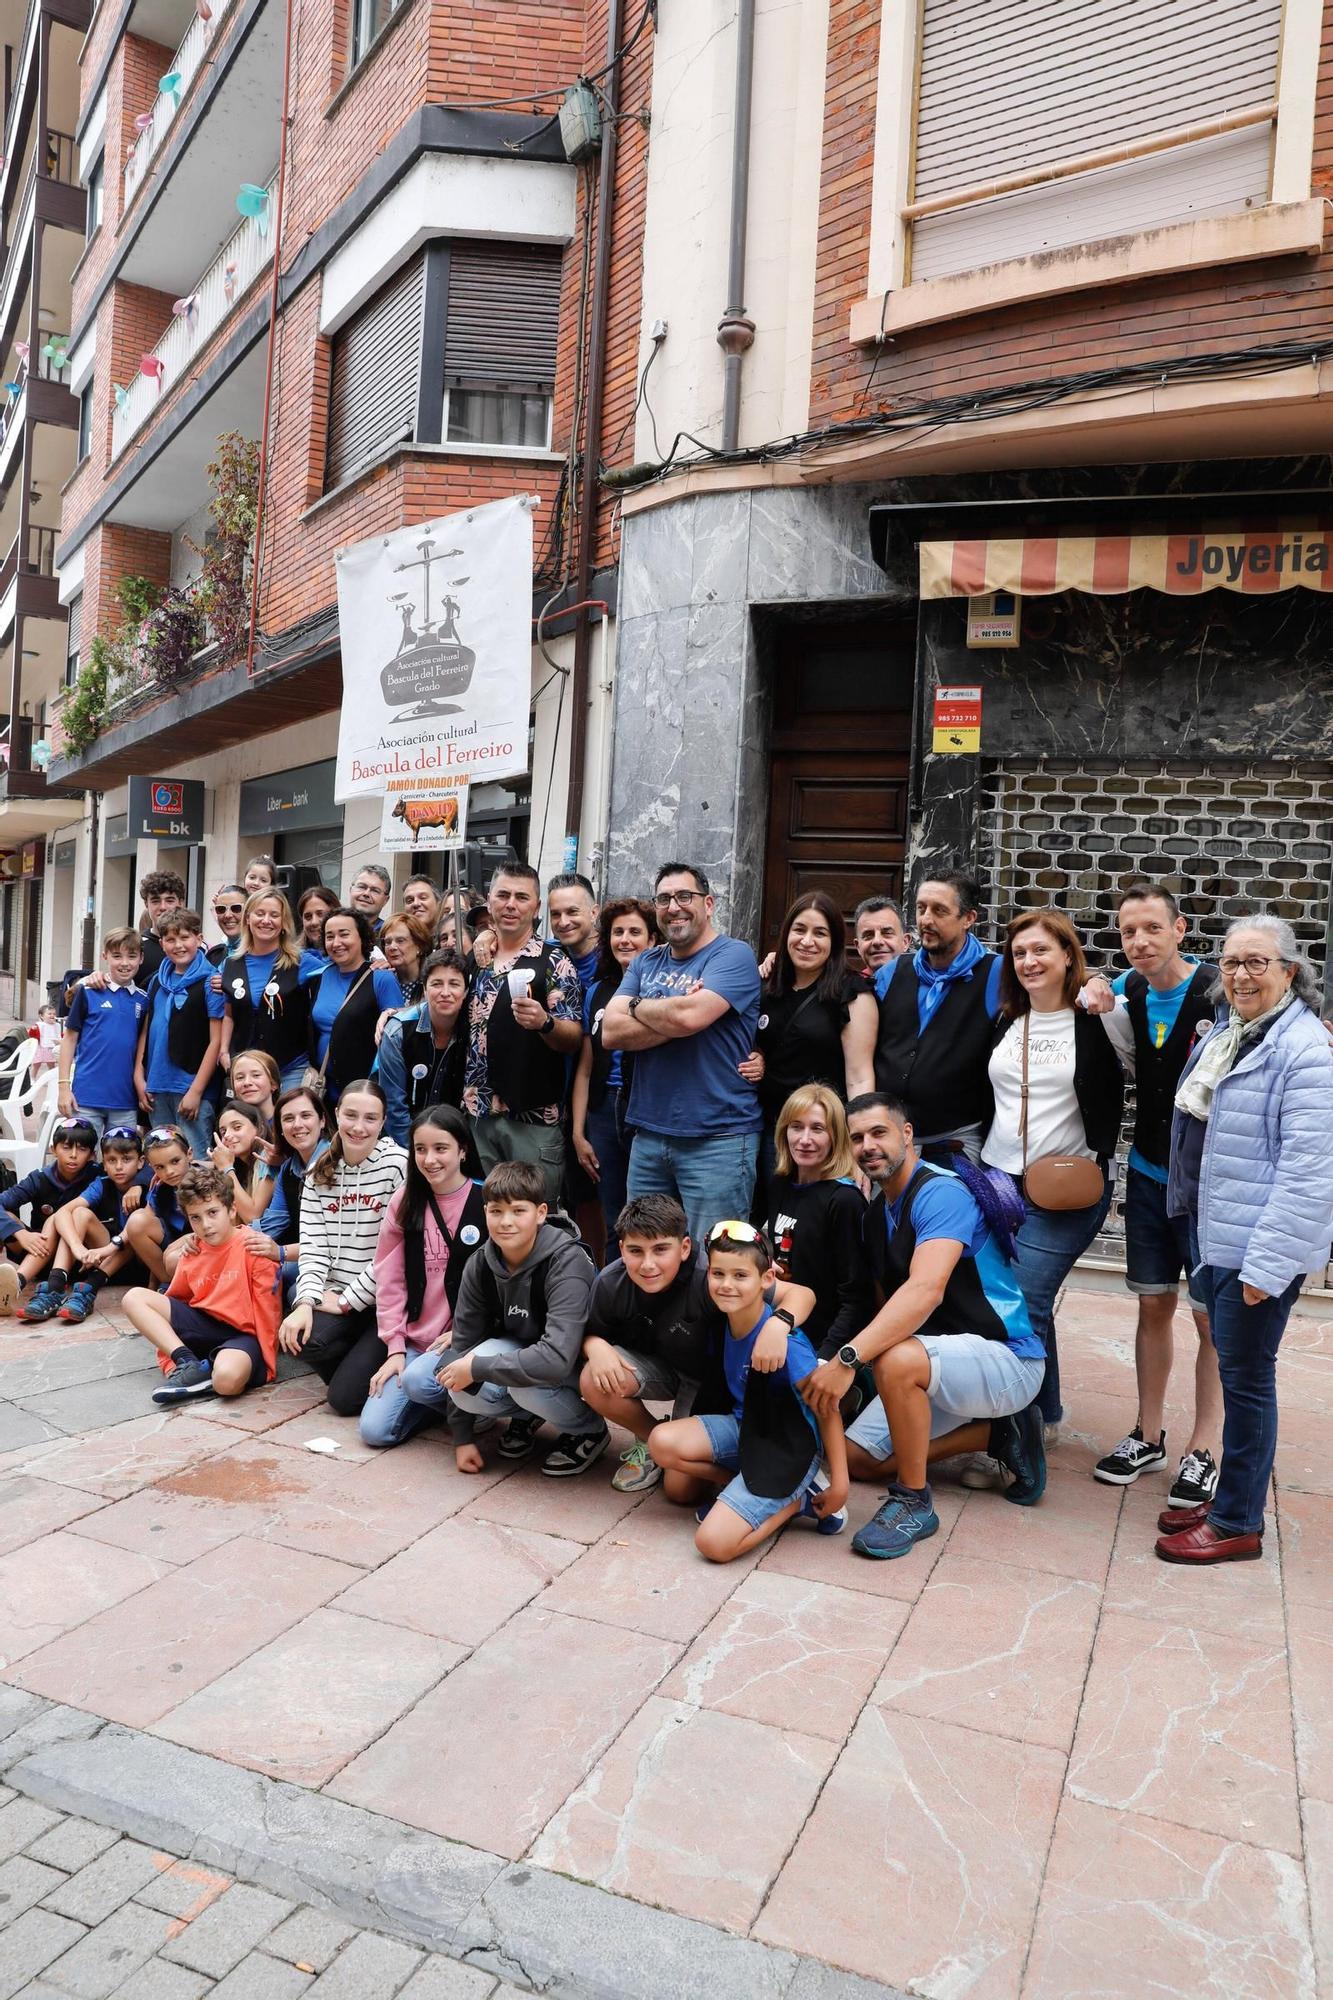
(1252, 1167)
(228, 909)
(268, 1004)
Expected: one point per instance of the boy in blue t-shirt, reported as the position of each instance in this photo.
(101, 1035)
(87, 1227)
(73, 1142)
(763, 1448)
(181, 1033)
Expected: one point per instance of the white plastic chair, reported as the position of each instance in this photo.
(17, 1064)
(23, 1154)
(26, 1105)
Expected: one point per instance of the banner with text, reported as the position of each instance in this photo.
(427, 819)
(435, 624)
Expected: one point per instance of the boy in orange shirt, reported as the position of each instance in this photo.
(216, 1326)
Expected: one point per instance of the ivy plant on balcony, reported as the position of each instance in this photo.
(170, 636)
(82, 716)
(223, 596)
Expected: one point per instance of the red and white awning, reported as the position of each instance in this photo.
(1255, 561)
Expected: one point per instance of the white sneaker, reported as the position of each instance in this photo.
(979, 1472)
(11, 1289)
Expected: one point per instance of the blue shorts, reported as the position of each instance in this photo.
(205, 1335)
(971, 1379)
(1157, 1245)
(724, 1441)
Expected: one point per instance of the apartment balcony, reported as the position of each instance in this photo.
(28, 578)
(155, 124)
(208, 304)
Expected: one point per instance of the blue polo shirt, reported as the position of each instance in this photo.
(107, 1023)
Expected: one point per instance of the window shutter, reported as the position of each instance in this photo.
(74, 620)
(504, 309)
(1008, 86)
(376, 364)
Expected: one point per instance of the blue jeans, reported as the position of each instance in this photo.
(712, 1179)
(1050, 1243)
(557, 1403)
(1247, 1339)
(198, 1130)
(603, 1129)
(100, 1118)
(405, 1405)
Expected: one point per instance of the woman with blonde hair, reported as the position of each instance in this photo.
(267, 1005)
(815, 1215)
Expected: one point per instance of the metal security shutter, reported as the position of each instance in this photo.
(376, 366)
(504, 309)
(1010, 86)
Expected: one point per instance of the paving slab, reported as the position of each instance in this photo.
(107, 1958)
(31, 1508)
(371, 1968)
(258, 1977)
(30, 1945)
(50, 1586)
(115, 1462)
(229, 1928)
(311, 1936)
(462, 1580)
(24, 1882)
(71, 1844)
(103, 1885)
(86, 1406)
(53, 1362)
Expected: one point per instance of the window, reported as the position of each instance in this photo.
(368, 21)
(72, 631)
(499, 350)
(85, 440)
(95, 186)
(458, 347)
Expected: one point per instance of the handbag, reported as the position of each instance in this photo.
(1058, 1180)
(313, 1079)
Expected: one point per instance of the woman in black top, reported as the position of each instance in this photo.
(815, 1215)
(346, 1001)
(817, 1020)
(600, 1093)
(268, 1002)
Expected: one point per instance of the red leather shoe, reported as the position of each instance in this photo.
(1172, 1519)
(1204, 1544)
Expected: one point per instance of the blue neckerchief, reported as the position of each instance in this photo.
(932, 984)
(175, 985)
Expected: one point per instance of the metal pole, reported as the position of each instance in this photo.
(454, 890)
(735, 333)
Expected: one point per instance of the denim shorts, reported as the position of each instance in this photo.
(1157, 1245)
(971, 1379)
(724, 1439)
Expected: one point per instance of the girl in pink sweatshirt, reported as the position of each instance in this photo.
(431, 1227)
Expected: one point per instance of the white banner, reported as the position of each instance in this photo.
(424, 819)
(436, 631)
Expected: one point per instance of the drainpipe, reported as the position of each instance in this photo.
(280, 206)
(592, 437)
(735, 331)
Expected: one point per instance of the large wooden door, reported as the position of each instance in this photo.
(837, 816)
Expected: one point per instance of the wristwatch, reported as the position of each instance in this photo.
(548, 1025)
(849, 1357)
(780, 1312)
(634, 1007)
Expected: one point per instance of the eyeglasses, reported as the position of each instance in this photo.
(1256, 967)
(682, 896)
(229, 909)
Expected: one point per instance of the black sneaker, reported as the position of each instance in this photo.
(187, 1379)
(569, 1456)
(1018, 1444)
(1131, 1456)
(520, 1437)
(1196, 1482)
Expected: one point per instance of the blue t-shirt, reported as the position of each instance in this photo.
(161, 1072)
(312, 961)
(255, 967)
(691, 1088)
(334, 987)
(165, 1204)
(586, 967)
(107, 1024)
(736, 1356)
(1163, 1013)
(945, 1210)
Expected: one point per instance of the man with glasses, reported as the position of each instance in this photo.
(228, 909)
(688, 1010)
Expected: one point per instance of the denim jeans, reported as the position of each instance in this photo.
(100, 1118)
(712, 1179)
(198, 1130)
(559, 1404)
(1247, 1340)
(603, 1130)
(405, 1405)
(1050, 1243)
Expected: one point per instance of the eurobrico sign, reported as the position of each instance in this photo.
(1255, 561)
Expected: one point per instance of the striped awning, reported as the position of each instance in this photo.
(1250, 560)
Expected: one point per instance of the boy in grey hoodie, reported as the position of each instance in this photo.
(522, 1308)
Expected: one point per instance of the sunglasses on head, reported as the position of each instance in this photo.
(122, 1132)
(737, 1232)
(162, 1135)
(65, 1128)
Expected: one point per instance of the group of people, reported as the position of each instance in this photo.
(582, 1172)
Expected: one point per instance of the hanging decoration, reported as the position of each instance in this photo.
(40, 753)
(187, 309)
(229, 282)
(154, 368)
(204, 12)
(144, 122)
(253, 201)
(22, 349)
(170, 86)
(122, 397)
(13, 389)
(56, 353)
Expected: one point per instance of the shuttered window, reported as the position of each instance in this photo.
(376, 374)
(1014, 88)
(500, 340)
(73, 629)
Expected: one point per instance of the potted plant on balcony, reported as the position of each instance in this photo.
(170, 636)
(224, 588)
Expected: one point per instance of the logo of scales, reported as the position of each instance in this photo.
(431, 663)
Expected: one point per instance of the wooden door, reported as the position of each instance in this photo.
(837, 816)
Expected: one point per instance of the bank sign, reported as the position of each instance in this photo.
(1253, 561)
(166, 809)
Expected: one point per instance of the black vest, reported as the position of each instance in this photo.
(188, 1026)
(281, 1031)
(442, 1079)
(602, 995)
(524, 1071)
(351, 1052)
(964, 1307)
(941, 1077)
(1157, 1071)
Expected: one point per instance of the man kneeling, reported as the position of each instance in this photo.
(952, 1349)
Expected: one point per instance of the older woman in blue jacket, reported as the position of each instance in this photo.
(1252, 1167)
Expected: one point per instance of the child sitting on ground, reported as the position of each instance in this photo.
(87, 1226)
(101, 1035)
(73, 1144)
(518, 1325)
(216, 1326)
(763, 1448)
(154, 1229)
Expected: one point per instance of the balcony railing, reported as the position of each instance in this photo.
(242, 257)
(181, 71)
(40, 556)
(134, 683)
(61, 162)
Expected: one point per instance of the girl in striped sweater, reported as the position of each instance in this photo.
(343, 1202)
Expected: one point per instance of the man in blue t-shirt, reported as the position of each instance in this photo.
(97, 1049)
(687, 1010)
(953, 1351)
(1153, 1014)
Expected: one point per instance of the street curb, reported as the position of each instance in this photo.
(522, 1923)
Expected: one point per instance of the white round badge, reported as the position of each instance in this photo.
(419, 1071)
(763, 1020)
(469, 1234)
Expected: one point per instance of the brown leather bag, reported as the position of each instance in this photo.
(1058, 1180)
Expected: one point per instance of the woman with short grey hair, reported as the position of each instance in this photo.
(1252, 1168)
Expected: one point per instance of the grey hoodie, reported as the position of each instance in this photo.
(550, 1340)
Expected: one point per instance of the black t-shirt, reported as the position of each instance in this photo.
(800, 1039)
(816, 1233)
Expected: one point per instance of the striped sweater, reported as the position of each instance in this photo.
(340, 1227)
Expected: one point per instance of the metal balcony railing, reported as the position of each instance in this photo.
(155, 123)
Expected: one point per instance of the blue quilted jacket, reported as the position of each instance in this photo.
(1265, 1184)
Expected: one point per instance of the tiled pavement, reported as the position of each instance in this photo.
(1028, 1759)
